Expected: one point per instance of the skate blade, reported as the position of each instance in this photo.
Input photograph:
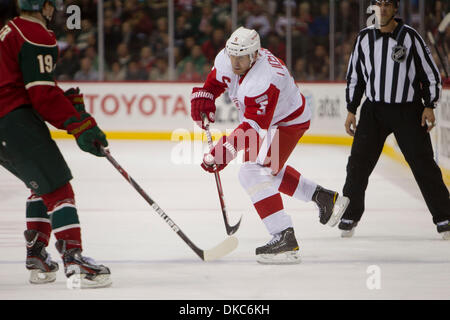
(289, 257)
(338, 210)
(348, 233)
(446, 235)
(39, 277)
(79, 281)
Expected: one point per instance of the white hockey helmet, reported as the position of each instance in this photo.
(243, 42)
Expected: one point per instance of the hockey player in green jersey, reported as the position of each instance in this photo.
(29, 97)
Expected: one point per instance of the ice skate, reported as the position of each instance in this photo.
(347, 227)
(282, 249)
(83, 272)
(331, 205)
(444, 229)
(38, 261)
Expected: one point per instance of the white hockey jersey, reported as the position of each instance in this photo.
(266, 95)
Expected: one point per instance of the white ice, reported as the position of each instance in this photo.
(149, 261)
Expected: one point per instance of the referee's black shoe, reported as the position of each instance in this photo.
(347, 227)
(444, 229)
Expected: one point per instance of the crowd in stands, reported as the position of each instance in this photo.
(136, 36)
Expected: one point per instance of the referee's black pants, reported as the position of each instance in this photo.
(377, 121)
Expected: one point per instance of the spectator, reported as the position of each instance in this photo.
(300, 33)
(87, 31)
(182, 30)
(68, 65)
(320, 26)
(158, 39)
(206, 18)
(189, 73)
(300, 71)
(160, 71)
(147, 59)
(196, 58)
(123, 56)
(134, 72)
(117, 72)
(318, 66)
(277, 46)
(91, 53)
(206, 69)
(212, 47)
(86, 73)
(259, 21)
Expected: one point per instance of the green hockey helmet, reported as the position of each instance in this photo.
(34, 5)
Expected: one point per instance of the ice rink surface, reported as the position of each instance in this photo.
(396, 239)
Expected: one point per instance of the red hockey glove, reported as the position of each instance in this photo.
(87, 133)
(219, 157)
(202, 101)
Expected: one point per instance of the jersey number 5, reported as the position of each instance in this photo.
(262, 109)
(45, 63)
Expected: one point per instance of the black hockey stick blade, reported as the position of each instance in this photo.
(219, 251)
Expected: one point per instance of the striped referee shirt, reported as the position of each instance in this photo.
(392, 67)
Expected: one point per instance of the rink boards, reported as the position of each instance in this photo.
(161, 111)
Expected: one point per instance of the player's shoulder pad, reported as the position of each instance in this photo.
(33, 31)
(260, 77)
(267, 72)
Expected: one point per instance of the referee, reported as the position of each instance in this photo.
(394, 68)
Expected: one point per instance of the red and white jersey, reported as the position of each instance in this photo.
(266, 95)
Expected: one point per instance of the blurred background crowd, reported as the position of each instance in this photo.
(136, 36)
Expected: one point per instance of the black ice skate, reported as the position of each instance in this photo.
(444, 229)
(82, 272)
(42, 268)
(347, 227)
(331, 205)
(282, 249)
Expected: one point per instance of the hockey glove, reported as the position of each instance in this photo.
(202, 101)
(219, 157)
(74, 95)
(87, 133)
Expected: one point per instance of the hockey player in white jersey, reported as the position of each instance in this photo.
(273, 117)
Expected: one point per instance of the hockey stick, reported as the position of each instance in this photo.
(230, 229)
(222, 249)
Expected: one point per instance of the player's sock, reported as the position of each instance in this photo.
(64, 216)
(271, 211)
(260, 186)
(37, 218)
(293, 184)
